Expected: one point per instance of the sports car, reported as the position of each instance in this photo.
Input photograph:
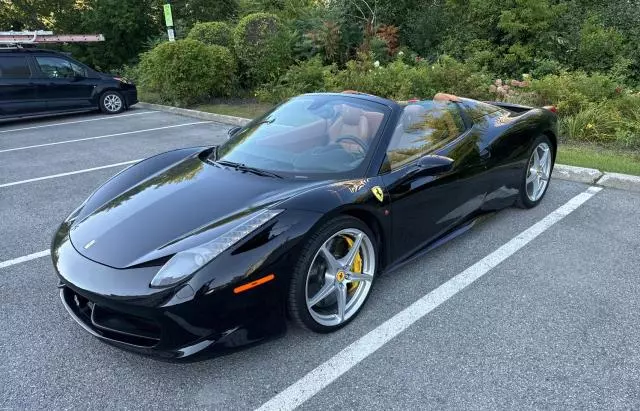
(200, 250)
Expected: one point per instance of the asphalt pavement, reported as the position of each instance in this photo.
(552, 324)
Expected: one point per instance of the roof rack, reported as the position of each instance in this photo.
(19, 38)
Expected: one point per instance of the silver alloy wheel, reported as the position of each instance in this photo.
(112, 103)
(538, 172)
(337, 290)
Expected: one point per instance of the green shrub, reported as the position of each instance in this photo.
(187, 71)
(573, 91)
(594, 124)
(262, 45)
(628, 131)
(448, 75)
(396, 80)
(213, 32)
(546, 67)
(189, 12)
(598, 47)
(613, 122)
(379, 49)
(306, 77)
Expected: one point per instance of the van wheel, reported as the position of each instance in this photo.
(111, 102)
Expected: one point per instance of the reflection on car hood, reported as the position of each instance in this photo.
(177, 208)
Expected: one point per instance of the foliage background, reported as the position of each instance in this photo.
(581, 55)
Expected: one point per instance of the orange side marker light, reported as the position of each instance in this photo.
(253, 284)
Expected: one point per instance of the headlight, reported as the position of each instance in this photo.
(187, 262)
(123, 80)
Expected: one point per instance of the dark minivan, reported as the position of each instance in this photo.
(36, 82)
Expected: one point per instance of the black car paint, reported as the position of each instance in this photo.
(203, 314)
(40, 95)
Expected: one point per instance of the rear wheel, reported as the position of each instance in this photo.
(111, 102)
(537, 174)
(333, 276)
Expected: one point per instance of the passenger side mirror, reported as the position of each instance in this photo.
(233, 130)
(431, 165)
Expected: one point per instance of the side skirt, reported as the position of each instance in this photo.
(445, 238)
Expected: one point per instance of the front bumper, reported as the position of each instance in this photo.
(130, 96)
(118, 307)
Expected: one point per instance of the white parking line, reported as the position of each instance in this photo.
(86, 170)
(105, 136)
(332, 369)
(79, 121)
(24, 258)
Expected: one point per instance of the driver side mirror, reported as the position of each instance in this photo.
(233, 130)
(431, 165)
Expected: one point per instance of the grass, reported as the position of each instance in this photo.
(626, 162)
(246, 109)
(239, 107)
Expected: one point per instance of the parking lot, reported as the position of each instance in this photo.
(529, 309)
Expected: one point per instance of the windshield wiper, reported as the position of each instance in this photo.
(254, 170)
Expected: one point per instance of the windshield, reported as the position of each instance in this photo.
(309, 135)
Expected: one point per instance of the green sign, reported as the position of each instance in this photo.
(168, 18)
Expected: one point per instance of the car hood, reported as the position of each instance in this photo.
(177, 208)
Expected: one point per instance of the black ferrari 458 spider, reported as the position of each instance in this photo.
(204, 249)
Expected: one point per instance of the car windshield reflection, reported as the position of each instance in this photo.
(310, 134)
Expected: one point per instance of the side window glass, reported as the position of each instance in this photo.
(14, 67)
(423, 128)
(54, 67)
(78, 70)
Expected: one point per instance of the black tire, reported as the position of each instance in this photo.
(523, 200)
(296, 301)
(108, 102)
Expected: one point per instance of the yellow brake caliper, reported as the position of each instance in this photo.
(356, 267)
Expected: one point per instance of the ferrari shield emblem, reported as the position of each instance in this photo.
(377, 191)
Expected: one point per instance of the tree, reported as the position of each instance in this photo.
(33, 14)
(127, 26)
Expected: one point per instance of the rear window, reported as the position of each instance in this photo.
(14, 67)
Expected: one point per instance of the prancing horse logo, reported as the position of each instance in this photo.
(377, 191)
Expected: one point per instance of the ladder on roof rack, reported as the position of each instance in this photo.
(18, 38)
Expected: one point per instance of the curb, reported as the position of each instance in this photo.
(578, 174)
(218, 118)
(621, 181)
(560, 171)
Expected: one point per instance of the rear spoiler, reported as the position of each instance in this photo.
(517, 108)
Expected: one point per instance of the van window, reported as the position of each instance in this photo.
(56, 67)
(14, 67)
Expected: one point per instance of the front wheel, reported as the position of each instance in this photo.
(111, 102)
(333, 276)
(537, 175)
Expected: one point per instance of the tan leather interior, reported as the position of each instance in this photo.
(299, 138)
(351, 122)
(374, 119)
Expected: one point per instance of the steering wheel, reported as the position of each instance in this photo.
(364, 146)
